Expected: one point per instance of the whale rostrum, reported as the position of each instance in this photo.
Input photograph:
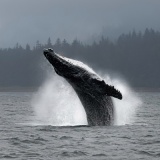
(94, 94)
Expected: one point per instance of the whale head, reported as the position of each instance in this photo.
(79, 75)
(68, 68)
(58, 62)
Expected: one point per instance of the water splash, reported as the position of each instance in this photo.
(125, 109)
(57, 104)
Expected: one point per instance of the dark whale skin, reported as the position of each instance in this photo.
(91, 89)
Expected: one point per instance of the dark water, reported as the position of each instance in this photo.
(20, 139)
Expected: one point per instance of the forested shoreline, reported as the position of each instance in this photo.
(134, 56)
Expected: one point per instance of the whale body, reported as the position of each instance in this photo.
(93, 92)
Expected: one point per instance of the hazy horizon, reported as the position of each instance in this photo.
(25, 21)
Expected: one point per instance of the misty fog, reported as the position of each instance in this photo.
(134, 57)
(25, 21)
(119, 37)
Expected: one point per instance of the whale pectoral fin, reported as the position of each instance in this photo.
(111, 91)
(107, 89)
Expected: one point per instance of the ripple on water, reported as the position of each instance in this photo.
(73, 154)
(65, 137)
(17, 141)
(9, 156)
(149, 153)
(99, 155)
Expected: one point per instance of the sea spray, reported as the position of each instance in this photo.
(125, 109)
(57, 104)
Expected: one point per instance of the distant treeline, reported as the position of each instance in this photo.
(135, 56)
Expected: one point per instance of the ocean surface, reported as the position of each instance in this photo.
(22, 139)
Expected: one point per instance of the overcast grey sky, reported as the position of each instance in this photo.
(26, 21)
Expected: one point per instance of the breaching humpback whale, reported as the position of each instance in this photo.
(93, 92)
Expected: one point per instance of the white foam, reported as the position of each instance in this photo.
(125, 109)
(57, 104)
